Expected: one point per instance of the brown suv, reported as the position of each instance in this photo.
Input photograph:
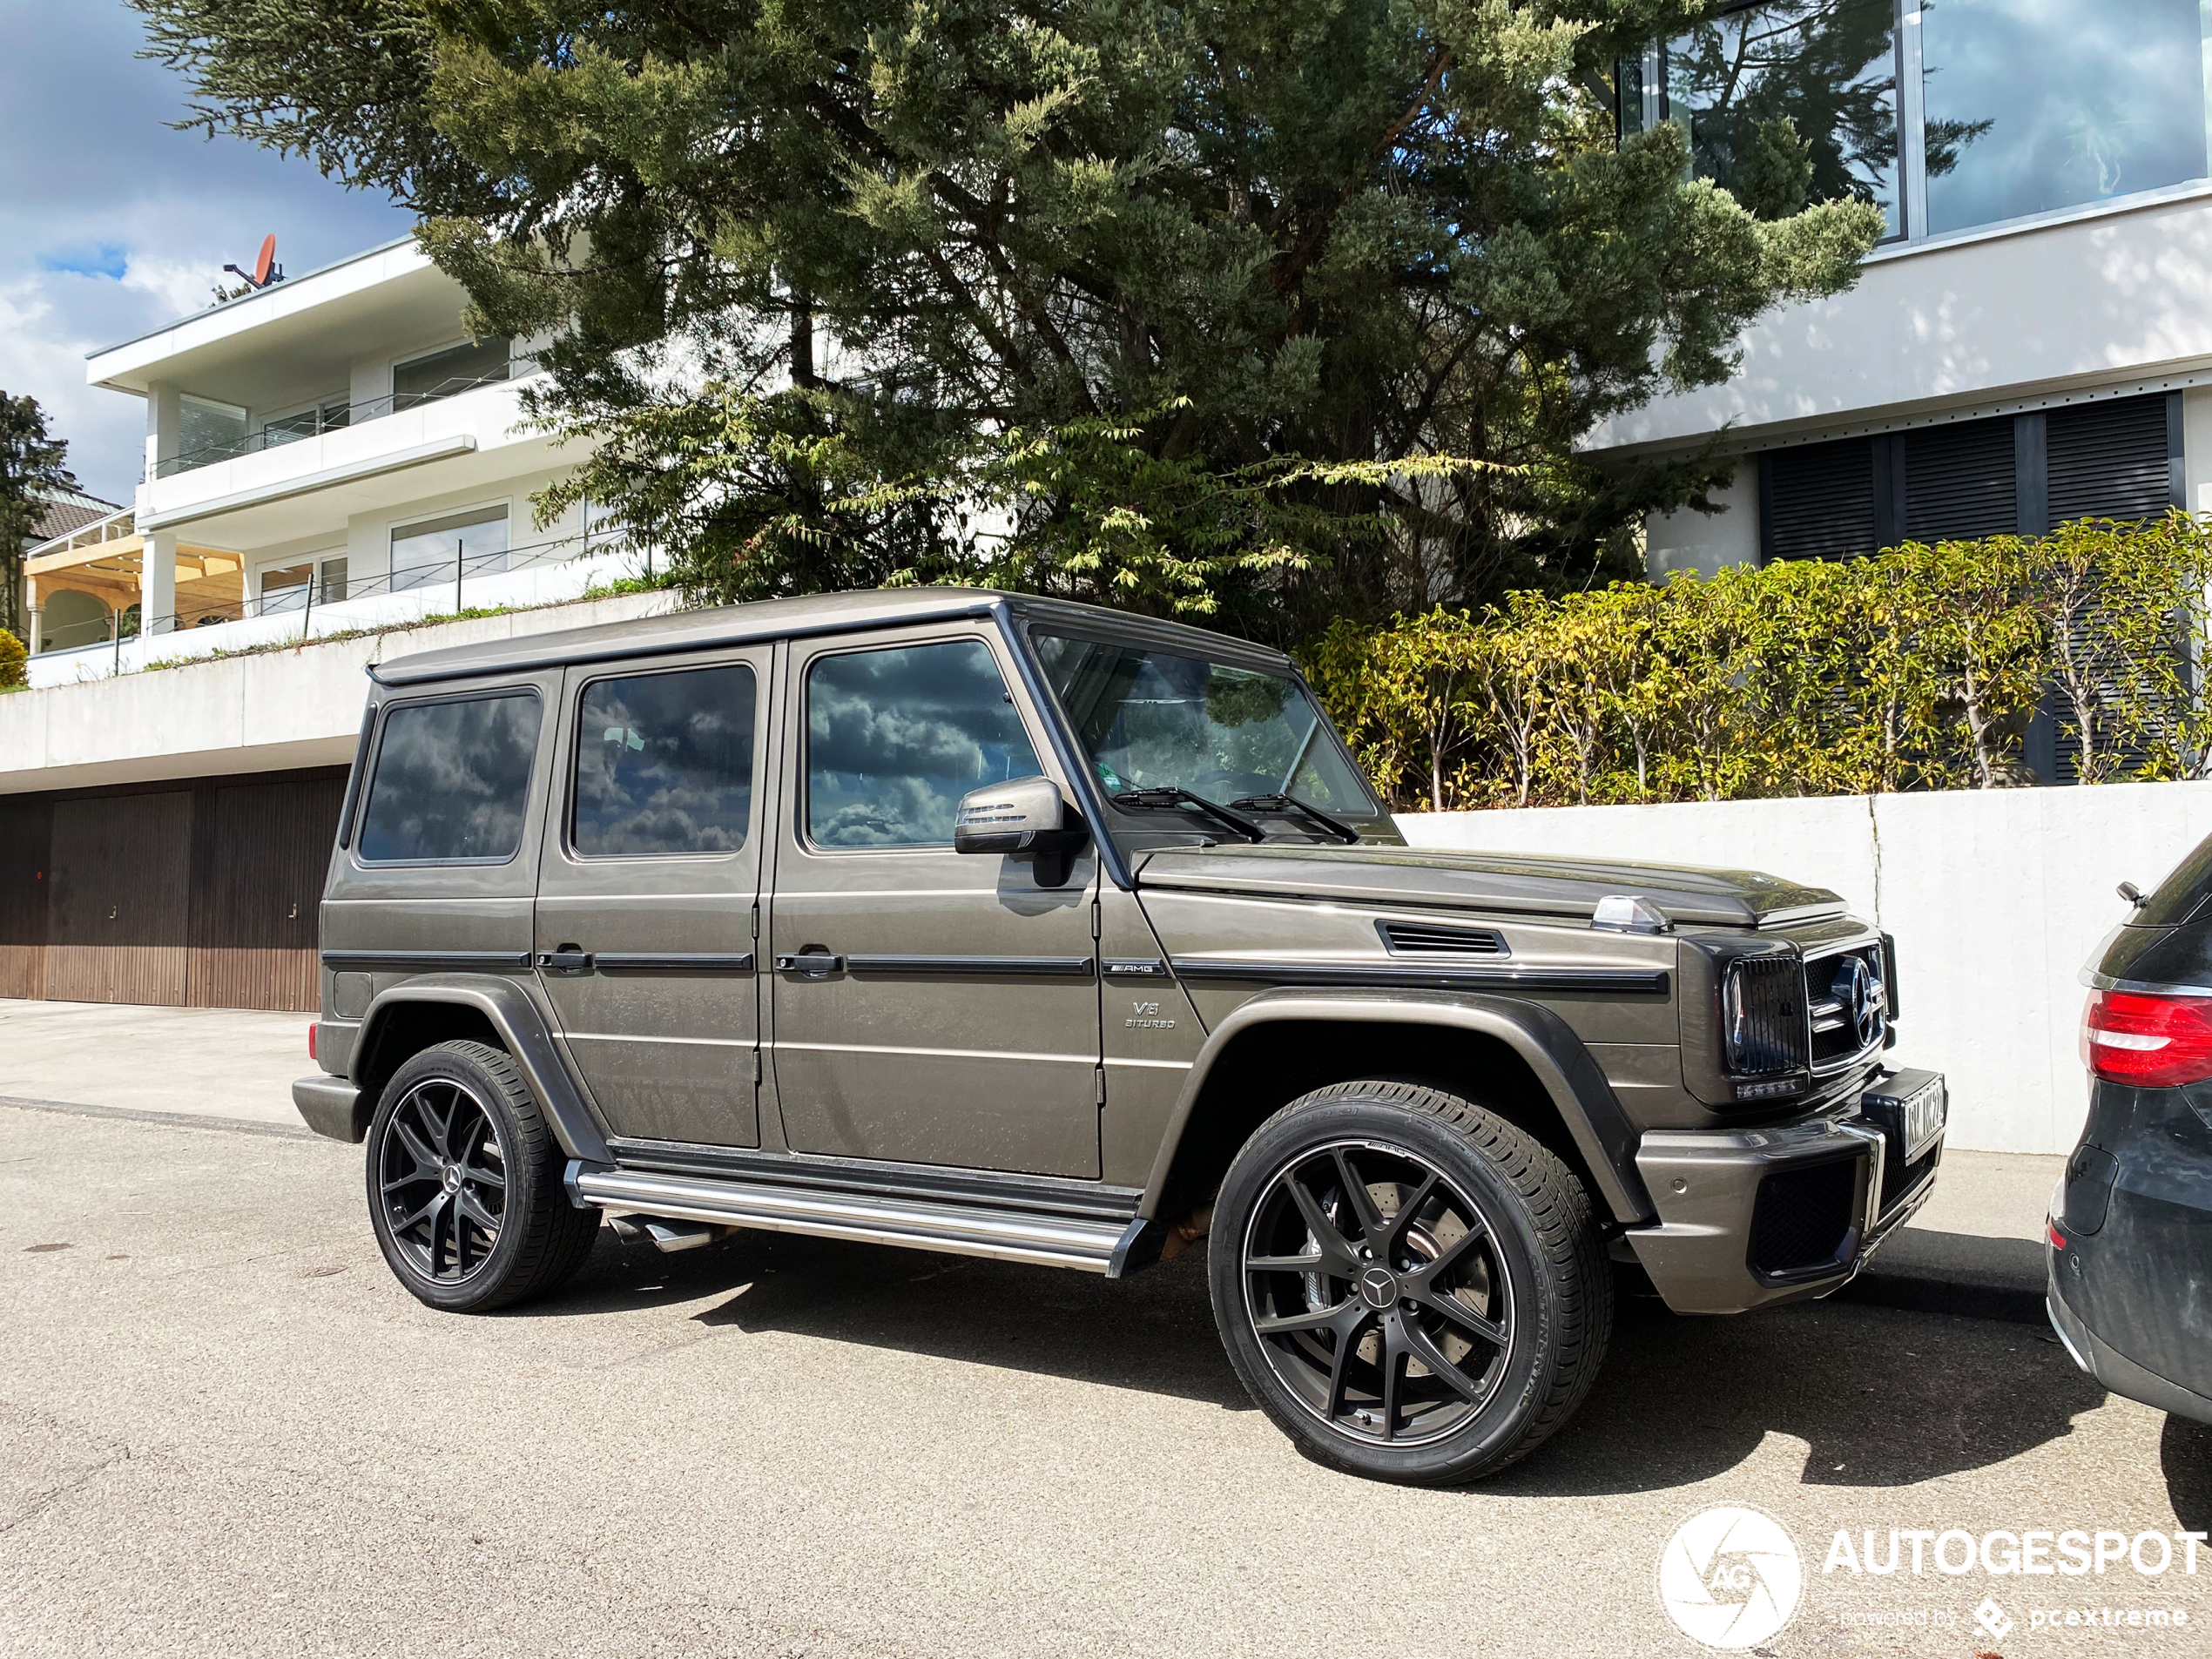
(989, 924)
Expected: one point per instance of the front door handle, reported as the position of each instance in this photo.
(567, 959)
(814, 964)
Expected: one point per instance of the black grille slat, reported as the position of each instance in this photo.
(1429, 939)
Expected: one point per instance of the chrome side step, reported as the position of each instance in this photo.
(1051, 1241)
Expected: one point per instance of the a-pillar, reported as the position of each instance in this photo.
(158, 584)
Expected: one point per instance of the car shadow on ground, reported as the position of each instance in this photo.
(2185, 1458)
(1882, 1397)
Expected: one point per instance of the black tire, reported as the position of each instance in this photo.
(1461, 1312)
(464, 1184)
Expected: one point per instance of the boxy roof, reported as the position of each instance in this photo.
(790, 619)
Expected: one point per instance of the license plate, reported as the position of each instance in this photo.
(1913, 1107)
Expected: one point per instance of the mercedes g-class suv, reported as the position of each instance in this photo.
(982, 923)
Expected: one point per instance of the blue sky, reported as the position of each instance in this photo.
(111, 223)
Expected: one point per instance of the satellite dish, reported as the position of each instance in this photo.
(268, 259)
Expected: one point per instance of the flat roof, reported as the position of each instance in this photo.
(240, 301)
(788, 619)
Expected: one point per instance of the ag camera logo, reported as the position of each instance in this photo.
(1730, 1577)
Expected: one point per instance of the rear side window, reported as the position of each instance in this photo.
(2182, 892)
(895, 738)
(452, 780)
(663, 764)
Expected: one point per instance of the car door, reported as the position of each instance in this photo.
(930, 1006)
(646, 899)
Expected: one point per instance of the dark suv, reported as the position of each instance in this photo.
(980, 923)
(2130, 1245)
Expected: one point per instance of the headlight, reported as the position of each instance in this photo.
(1762, 1021)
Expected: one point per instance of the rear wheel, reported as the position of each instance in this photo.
(464, 1184)
(1413, 1288)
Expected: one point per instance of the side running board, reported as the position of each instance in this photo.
(1052, 1241)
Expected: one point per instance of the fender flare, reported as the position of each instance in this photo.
(1545, 1043)
(521, 1028)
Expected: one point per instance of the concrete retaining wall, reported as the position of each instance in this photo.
(300, 707)
(1997, 898)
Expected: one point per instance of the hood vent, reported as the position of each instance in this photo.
(1428, 939)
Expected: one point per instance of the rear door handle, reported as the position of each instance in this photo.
(814, 964)
(567, 959)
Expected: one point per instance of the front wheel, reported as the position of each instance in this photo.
(1413, 1289)
(464, 1184)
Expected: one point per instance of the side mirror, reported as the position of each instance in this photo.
(1024, 816)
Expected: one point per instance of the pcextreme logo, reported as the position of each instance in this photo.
(1730, 1577)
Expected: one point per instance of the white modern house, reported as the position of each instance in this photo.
(2033, 342)
(331, 456)
(331, 453)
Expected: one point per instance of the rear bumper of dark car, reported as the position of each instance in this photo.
(2128, 1290)
(331, 1106)
(1780, 1213)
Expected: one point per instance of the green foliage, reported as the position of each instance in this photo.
(15, 660)
(31, 466)
(1266, 310)
(1919, 669)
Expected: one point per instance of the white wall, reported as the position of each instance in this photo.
(2093, 301)
(1998, 900)
(252, 713)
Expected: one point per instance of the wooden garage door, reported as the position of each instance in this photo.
(266, 848)
(25, 832)
(119, 899)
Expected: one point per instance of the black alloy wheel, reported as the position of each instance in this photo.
(1374, 1286)
(443, 1180)
(464, 1177)
(1412, 1287)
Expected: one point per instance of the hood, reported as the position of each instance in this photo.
(1431, 879)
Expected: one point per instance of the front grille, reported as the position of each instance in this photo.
(1763, 1015)
(1847, 996)
(1802, 1216)
(1899, 1177)
(1428, 938)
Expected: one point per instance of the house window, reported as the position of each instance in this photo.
(458, 545)
(326, 417)
(443, 373)
(208, 431)
(2118, 458)
(1828, 65)
(1951, 116)
(286, 589)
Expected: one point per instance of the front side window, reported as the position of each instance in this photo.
(895, 738)
(1150, 719)
(663, 764)
(453, 781)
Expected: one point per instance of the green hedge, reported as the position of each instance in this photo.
(1917, 668)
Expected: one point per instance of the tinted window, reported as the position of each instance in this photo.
(2180, 894)
(664, 763)
(452, 779)
(895, 738)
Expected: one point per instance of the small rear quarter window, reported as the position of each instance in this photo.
(452, 781)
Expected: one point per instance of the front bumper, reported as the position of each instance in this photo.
(1781, 1213)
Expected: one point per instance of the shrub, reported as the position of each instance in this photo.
(14, 662)
(1920, 668)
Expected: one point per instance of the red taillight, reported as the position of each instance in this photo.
(311, 1042)
(2151, 1041)
(2051, 1231)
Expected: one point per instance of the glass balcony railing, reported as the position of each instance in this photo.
(333, 417)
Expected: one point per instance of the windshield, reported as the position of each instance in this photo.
(1150, 719)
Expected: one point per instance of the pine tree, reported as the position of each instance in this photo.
(31, 469)
(1268, 311)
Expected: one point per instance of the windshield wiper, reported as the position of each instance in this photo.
(1168, 798)
(1292, 806)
